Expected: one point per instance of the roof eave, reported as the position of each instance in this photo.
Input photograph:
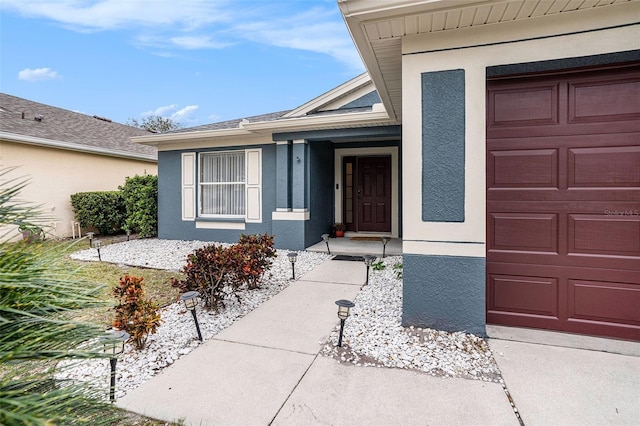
(70, 146)
(377, 116)
(363, 44)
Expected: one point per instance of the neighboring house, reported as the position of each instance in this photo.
(514, 178)
(64, 152)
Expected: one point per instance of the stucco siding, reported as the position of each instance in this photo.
(444, 292)
(427, 237)
(170, 223)
(321, 192)
(56, 174)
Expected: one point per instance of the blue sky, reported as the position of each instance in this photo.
(195, 61)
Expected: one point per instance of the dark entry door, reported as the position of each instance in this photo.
(373, 194)
(563, 202)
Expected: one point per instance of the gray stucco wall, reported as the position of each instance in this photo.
(444, 292)
(170, 223)
(443, 140)
(321, 200)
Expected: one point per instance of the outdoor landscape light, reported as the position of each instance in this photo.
(385, 240)
(90, 236)
(114, 346)
(293, 256)
(325, 238)
(128, 234)
(190, 300)
(368, 260)
(343, 314)
(98, 245)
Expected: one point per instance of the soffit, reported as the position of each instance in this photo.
(378, 26)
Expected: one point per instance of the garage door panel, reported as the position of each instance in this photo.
(598, 100)
(605, 235)
(523, 294)
(527, 232)
(563, 202)
(604, 167)
(512, 106)
(604, 301)
(535, 168)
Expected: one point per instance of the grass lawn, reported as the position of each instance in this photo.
(158, 287)
(157, 282)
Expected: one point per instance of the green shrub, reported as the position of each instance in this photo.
(102, 210)
(140, 195)
(134, 314)
(397, 267)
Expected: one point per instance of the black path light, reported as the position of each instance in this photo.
(368, 260)
(343, 314)
(128, 234)
(385, 240)
(90, 236)
(190, 300)
(325, 238)
(98, 245)
(293, 256)
(114, 346)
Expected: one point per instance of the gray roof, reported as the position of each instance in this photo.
(32, 119)
(232, 124)
(361, 104)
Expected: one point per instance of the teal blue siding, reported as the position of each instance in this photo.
(444, 292)
(443, 143)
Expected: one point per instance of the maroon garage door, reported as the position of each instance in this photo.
(563, 202)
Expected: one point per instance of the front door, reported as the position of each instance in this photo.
(370, 194)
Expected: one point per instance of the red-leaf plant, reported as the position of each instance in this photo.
(216, 271)
(135, 314)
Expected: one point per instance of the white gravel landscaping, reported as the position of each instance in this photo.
(177, 334)
(373, 334)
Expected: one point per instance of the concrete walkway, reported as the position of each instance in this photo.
(265, 369)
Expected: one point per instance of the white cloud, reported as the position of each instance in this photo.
(182, 115)
(38, 74)
(96, 15)
(316, 30)
(170, 25)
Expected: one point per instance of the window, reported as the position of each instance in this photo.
(222, 184)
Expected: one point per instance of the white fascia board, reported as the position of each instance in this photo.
(228, 137)
(382, 9)
(70, 146)
(320, 122)
(330, 96)
(160, 139)
(355, 27)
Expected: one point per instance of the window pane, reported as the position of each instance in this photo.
(222, 188)
(222, 167)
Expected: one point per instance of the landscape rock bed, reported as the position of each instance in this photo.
(177, 334)
(373, 336)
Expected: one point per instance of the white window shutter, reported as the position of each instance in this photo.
(189, 186)
(253, 169)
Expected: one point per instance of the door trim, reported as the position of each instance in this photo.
(395, 186)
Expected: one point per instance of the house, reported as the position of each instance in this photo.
(64, 152)
(500, 139)
(291, 173)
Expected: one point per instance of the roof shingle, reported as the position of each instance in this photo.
(27, 118)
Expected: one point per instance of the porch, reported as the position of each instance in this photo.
(359, 244)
